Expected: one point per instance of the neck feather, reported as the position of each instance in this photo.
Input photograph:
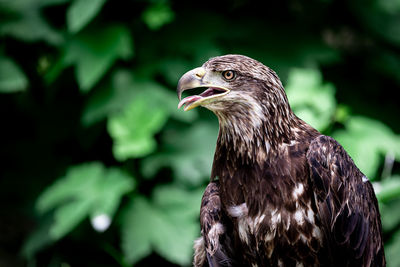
(254, 128)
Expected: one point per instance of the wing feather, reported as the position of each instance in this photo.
(216, 243)
(347, 205)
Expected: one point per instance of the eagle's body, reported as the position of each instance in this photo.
(281, 194)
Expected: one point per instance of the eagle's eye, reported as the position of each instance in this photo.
(228, 75)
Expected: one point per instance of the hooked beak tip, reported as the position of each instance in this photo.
(189, 80)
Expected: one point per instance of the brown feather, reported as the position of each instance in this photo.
(281, 194)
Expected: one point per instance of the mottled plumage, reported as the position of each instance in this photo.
(281, 194)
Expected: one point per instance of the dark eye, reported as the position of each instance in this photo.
(228, 75)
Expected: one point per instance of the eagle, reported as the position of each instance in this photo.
(280, 193)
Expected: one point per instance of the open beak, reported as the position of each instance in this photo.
(195, 79)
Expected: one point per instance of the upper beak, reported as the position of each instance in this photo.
(194, 79)
(190, 79)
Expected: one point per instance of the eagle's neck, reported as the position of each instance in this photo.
(254, 129)
(255, 133)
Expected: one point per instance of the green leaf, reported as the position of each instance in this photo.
(12, 79)
(110, 98)
(116, 97)
(86, 190)
(79, 180)
(390, 214)
(389, 6)
(93, 52)
(114, 185)
(311, 100)
(23, 20)
(133, 130)
(367, 140)
(172, 69)
(392, 249)
(388, 189)
(157, 15)
(68, 216)
(189, 152)
(168, 225)
(171, 198)
(81, 12)
(133, 124)
(342, 113)
(168, 100)
(138, 223)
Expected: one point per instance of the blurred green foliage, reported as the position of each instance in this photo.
(88, 189)
(167, 224)
(313, 101)
(11, 77)
(96, 158)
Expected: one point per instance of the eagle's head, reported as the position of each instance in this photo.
(247, 97)
(228, 80)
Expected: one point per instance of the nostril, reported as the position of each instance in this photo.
(200, 73)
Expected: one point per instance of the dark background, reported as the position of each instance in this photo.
(90, 129)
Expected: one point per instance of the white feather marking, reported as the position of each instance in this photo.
(287, 223)
(275, 218)
(317, 234)
(261, 156)
(199, 252)
(258, 220)
(238, 211)
(298, 216)
(364, 179)
(270, 235)
(298, 191)
(216, 230)
(267, 146)
(243, 227)
(310, 215)
(199, 242)
(213, 236)
(254, 223)
(273, 212)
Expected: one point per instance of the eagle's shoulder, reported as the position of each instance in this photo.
(346, 203)
(330, 165)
